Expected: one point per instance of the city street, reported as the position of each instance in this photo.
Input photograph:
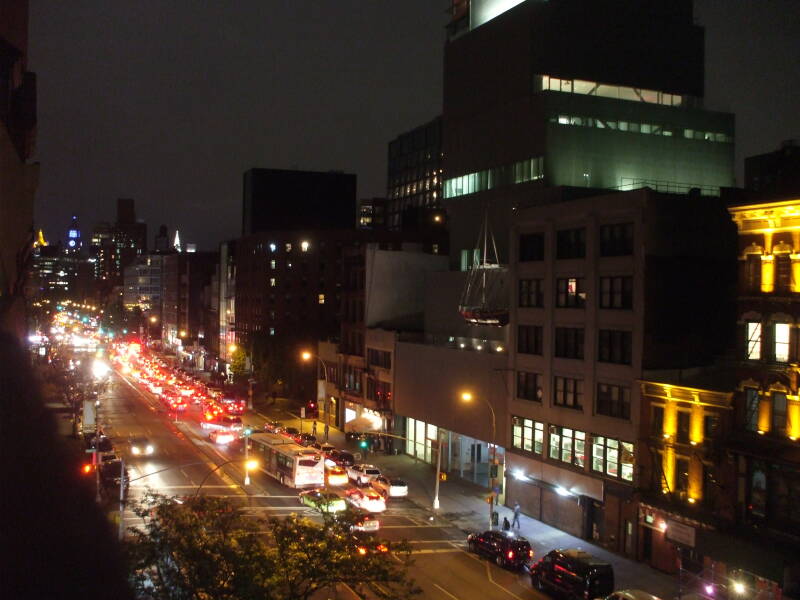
(184, 458)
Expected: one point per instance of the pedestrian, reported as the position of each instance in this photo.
(506, 524)
(314, 428)
(517, 510)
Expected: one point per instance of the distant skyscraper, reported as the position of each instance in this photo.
(162, 240)
(176, 244)
(282, 200)
(74, 239)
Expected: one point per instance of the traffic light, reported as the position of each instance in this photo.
(363, 444)
(442, 476)
(248, 431)
(87, 469)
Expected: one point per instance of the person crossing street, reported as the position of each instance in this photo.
(517, 511)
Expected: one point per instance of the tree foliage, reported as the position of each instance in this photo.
(238, 364)
(206, 548)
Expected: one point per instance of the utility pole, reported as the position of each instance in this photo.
(438, 469)
(121, 499)
(246, 460)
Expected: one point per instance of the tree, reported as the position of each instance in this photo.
(205, 547)
(238, 364)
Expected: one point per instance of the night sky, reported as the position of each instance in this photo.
(168, 102)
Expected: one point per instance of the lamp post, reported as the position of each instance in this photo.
(467, 397)
(306, 356)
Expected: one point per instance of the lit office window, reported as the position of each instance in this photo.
(782, 342)
(321, 299)
(272, 282)
(754, 341)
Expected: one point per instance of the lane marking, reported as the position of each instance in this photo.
(444, 591)
(489, 575)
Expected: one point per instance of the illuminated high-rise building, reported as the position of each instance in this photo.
(605, 94)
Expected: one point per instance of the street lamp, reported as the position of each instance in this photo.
(307, 356)
(154, 319)
(232, 348)
(467, 397)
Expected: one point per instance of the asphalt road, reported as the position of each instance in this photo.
(184, 458)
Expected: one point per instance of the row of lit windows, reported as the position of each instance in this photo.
(618, 92)
(273, 247)
(646, 128)
(416, 187)
(611, 457)
(522, 171)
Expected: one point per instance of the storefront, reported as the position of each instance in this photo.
(361, 419)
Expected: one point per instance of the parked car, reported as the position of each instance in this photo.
(323, 500)
(369, 500)
(323, 447)
(506, 548)
(389, 487)
(273, 427)
(362, 474)
(574, 574)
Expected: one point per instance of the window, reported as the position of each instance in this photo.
(568, 392)
(288, 247)
(616, 240)
(710, 426)
(570, 292)
(783, 272)
(612, 457)
(529, 339)
(657, 421)
(616, 292)
(527, 435)
(613, 401)
(569, 342)
(754, 341)
(782, 333)
(571, 243)
(751, 409)
(529, 386)
(273, 264)
(778, 412)
(320, 298)
(684, 418)
(530, 293)
(531, 247)
(568, 445)
(379, 391)
(272, 282)
(752, 276)
(682, 475)
(614, 346)
(379, 358)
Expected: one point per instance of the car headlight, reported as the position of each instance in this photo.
(150, 449)
(135, 449)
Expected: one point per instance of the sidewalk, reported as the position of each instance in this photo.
(463, 505)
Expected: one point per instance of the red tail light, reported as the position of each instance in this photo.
(510, 554)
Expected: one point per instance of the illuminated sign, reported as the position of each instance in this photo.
(73, 233)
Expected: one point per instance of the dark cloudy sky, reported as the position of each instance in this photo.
(169, 101)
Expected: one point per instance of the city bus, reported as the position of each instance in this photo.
(293, 465)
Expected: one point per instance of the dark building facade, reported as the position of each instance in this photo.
(287, 200)
(183, 278)
(775, 173)
(604, 94)
(414, 182)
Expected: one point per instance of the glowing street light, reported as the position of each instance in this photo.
(153, 319)
(182, 333)
(232, 348)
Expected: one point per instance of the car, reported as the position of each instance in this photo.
(108, 457)
(341, 458)
(389, 487)
(222, 421)
(365, 522)
(573, 573)
(323, 500)
(362, 474)
(336, 475)
(369, 500)
(506, 548)
(101, 442)
(222, 436)
(273, 427)
(633, 595)
(110, 475)
(323, 447)
(290, 432)
(306, 439)
(141, 446)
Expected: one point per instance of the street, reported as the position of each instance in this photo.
(184, 459)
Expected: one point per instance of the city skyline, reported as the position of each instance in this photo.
(97, 144)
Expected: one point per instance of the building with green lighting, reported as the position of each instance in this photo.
(600, 95)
